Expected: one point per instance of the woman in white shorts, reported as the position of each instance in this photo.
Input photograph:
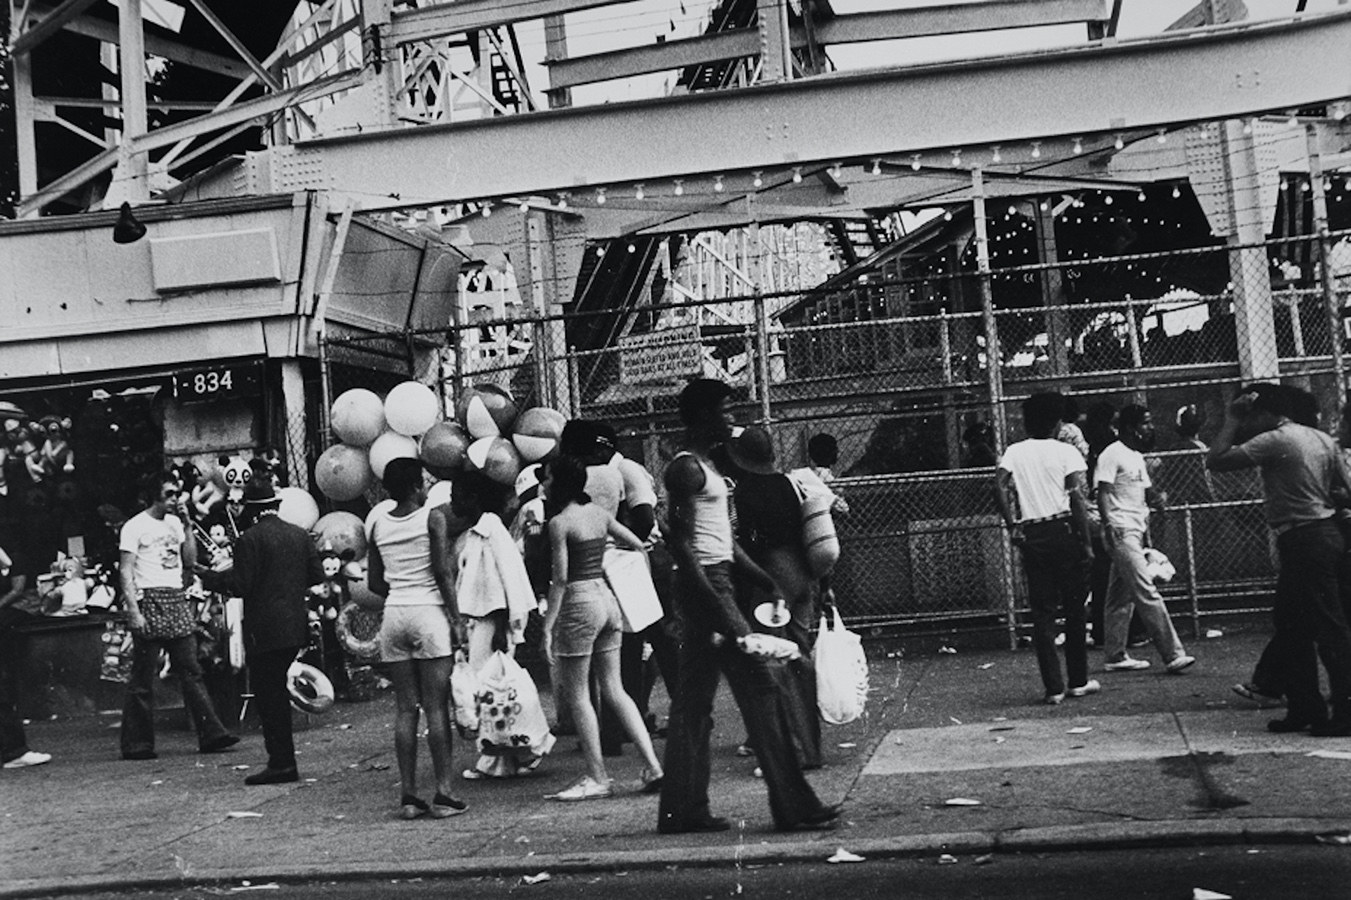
(417, 636)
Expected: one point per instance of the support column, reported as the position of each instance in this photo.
(756, 263)
(556, 47)
(1052, 288)
(994, 373)
(1332, 302)
(1254, 321)
(776, 61)
(130, 181)
(297, 422)
(24, 126)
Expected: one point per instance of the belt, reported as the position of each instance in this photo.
(1046, 520)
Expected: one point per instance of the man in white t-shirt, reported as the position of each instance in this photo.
(156, 563)
(1125, 495)
(1048, 477)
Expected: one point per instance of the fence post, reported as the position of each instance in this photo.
(994, 374)
(1330, 300)
(325, 393)
(761, 312)
(1191, 573)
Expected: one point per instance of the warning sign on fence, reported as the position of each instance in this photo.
(660, 356)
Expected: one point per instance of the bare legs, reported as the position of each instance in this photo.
(574, 673)
(422, 685)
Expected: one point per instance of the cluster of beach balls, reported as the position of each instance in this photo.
(488, 434)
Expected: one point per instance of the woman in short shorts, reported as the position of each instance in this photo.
(418, 633)
(583, 624)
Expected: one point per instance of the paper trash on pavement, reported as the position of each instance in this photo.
(983, 666)
(1214, 633)
(535, 879)
(1342, 839)
(243, 814)
(961, 801)
(844, 856)
(946, 859)
(1203, 894)
(949, 650)
(1330, 754)
(245, 886)
(1080, 729)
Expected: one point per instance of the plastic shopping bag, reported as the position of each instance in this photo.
(627, 573)
(841, 672)
(463, 688)
(510, 717)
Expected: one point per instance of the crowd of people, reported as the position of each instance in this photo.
(1078, 502)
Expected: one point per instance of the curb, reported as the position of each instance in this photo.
(1051, 839)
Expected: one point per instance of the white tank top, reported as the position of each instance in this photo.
(712, 518)
(406, 548)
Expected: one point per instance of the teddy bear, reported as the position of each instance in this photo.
(56, 454)
(208, 487)
(235, 472)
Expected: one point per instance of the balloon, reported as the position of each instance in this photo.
(365, 597)
(438, 494)
(297, 507)
(537, 432)
(496, 458)
(343, 472)
(486, 411)
(411, 408)
(358, 417)
(391, 445)
(442, 447)
(343, 532)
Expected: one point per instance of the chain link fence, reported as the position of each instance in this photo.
(896, 364)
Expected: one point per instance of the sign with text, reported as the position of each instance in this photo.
(217, 383)
(660, 356)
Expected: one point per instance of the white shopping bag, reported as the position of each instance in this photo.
(510, 717)
(463, 688)
(627, 573)
(841, 671)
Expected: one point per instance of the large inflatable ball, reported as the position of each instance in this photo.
(411, 408)
(438, 494)
(391, 445)
(363, 596)
(343, 472)
(496, 458)
(342, 532)
(297, 507)
(486, 411)
(442, 448)
(537, 431)
(358, 417)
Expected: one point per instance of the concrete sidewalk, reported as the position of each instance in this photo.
(1152, 760)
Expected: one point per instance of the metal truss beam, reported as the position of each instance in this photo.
(54, 22)
(163, 47)
(991, 15)
(1123, 86)
(472, 15)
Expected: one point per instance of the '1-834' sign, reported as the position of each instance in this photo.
(216, 383)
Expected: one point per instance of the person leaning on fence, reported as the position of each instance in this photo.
(157, 557)
(1301, 468)
(1053, 535)
(1125, 497)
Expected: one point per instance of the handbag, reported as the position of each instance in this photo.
(510, 717)
(841, 671)
(628, 575)
(167, 614)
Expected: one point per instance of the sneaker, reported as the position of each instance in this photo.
(1180, 662)
(1250, 691)
(444, 807)
(587, 788)
(1054, 699)
(1126, 664)
(29, 759)
(1088, 687)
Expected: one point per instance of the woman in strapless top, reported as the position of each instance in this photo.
(583, 625)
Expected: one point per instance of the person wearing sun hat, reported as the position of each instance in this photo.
(275, 562)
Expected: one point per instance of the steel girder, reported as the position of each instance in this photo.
(1158, 82)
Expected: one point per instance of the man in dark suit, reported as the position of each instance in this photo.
(275, 562)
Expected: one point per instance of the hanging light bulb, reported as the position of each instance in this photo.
(717, 184)
(947, 215)
(638, 193)
(956, 157)
(914, 161)
(1107, 200)
(877, 167)
(995, 156)
(1163, 137)
(1045, 205)
(797, 174)
(1247, 126)
(600, 196)
(525, 206)
(562, 201)
(600, 251)
(679, 189)
(1294, 119)
(487, 210)
(757, 180)
(1177, 192)
(633, 248)
(1119, 143)
(1013, 210)
(836, 171)
(1141, 196)
(1036, 149)
(1078, 146)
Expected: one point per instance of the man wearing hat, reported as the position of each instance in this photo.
(275, 563)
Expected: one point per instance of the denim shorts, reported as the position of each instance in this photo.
(414, 632)
(589, 620)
